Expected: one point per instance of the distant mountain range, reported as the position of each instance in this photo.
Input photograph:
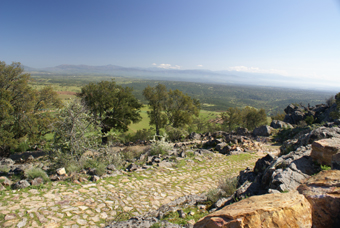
(200, 76)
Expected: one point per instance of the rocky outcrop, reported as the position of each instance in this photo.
(323, 150)
(272, 174)
(263, 131)
(319, 113)
(280, 124)
(323, 193)
(270, 210)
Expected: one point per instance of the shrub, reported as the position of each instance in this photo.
(4, 168)
(143, 135)
(213, 195)
(325, 167)
(229, 186)
(159, 146)
(37, 172)
(175, 134)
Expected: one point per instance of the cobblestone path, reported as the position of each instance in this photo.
(65, 204)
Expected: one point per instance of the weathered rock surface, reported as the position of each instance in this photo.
(280, 124)
(270, 210)
(323, 150)
(21, 184)
(263, 131)
(323, 193)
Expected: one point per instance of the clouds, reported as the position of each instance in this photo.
(257, 70)
(167, 66)
(200, 65)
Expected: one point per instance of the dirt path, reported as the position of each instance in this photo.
(63, 204)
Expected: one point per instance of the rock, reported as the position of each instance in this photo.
(143, 223)
(111, 167)
(323, 150)
(270, 210)
(37, 181)
(95, 178)
(165, 164)
(263, 131)
(21, 184)
(219, 147)
(30, 158)
(54, 177)
(2, 187)
(317, 134)
(61, 171)
(132, 167)
(6, 162)
(280, 124)
(336, 161)
(323, 193)
(287, 179)
(194, 136)
(242, 131)
(181, 213)
(6, 181)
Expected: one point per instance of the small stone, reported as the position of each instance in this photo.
(30, 158)
(61, 171)
(6, 181)
(22, 223)
(95, 178)
(2, 187)
(10, 216)
(37, 181)
(111, 167)
(21, 184)
(181, 213)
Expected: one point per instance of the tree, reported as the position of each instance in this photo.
(157, 97)
(114, 106)
(24, 111)
(180, 108)
(231, 118)
(170, 107)
(74, 132)
(253, 118)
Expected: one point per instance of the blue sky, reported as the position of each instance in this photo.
(293, 38)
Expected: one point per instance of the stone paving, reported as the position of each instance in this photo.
(95, 204)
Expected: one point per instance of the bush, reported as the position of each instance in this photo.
(225, 188)
(229, 186)
(175, 134)
(143, 135)
(159, 146)
(36, 172)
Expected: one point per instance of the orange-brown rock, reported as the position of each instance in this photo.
(324, 149)
(323, 193)
(271, 211)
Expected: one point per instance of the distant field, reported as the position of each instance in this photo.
(213, 97)
(144, 124)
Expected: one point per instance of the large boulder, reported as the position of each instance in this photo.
(263, 131)
(195, 136)
(280, 124)
(324, 149)
(270, 210)
(323, 193)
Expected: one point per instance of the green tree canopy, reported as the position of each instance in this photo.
(114, 106)
(24, 111)
(157, 97)
(170, 107)
(232, 118)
